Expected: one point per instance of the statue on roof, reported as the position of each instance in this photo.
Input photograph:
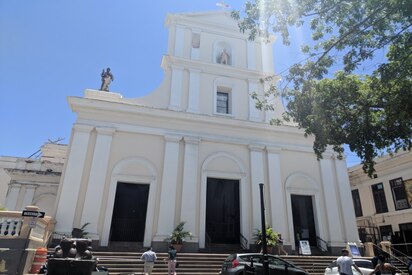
(107, 78)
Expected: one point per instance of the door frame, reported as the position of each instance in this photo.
(117, 176)
(244, 200)
(127, 200)
(310, 188)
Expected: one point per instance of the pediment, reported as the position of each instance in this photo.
(221, 19)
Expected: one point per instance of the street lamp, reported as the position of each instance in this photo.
(264, 247)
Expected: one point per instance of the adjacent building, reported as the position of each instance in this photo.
(31, 181)
(383, 203)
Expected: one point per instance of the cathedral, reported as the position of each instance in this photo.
(196, 149)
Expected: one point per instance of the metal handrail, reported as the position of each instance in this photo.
(243, 242)
(208, 242)
(394, 257)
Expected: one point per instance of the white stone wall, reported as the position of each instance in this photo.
(173, 140)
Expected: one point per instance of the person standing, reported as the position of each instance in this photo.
(149, 257)
(410, 266)
(384, 266)
(345, 264)
(171, 260)
(280, 245)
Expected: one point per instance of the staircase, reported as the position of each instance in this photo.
(128, 263)
(122, 263)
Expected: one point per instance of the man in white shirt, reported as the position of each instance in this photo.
(345, 264)
(149, 257)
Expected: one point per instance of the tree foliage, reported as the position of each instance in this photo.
(372, 111)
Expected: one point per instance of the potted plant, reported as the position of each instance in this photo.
(271, 238)
(80, 232)
(178, 236)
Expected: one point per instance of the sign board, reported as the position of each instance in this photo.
(353, 248)
(33, 222)
(35, 214)
(304, 248)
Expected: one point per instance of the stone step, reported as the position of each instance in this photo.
(128, 263)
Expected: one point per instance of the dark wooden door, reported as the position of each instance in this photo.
(303, 218)
(222, 211)
(129, 212)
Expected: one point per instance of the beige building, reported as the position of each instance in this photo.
(383, 203)
(29, 181)
(196, 149)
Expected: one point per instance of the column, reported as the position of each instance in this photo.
(251, 55)
(176, 88)
(257, 176)
(28, 195)
(194, 90)
(254, 113)
(4, 186)
(168, 188)
(331, 200)
(13, 195)
(97, 180)
(190, 184)
(277, 193)
(72, 178)
(345, 193)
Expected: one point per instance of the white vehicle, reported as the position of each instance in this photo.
(365, 265)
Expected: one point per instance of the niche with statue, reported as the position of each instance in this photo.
(223, 53)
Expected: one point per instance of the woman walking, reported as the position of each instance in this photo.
(171, 265)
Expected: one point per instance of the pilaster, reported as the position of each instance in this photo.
(176, 88)
(254, 113)
(345, 193)
(11, 201)
(331, 203)
(194, 90)
(277, 193)
(190, 184)
(179, 40)
(72, 179)
(28, 195)
(257, 176)
(97, 179)
(251, 55)
(167, 208)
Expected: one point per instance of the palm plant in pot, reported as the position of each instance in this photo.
(271, 238)
(178, 236)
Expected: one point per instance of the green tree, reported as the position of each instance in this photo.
(371, 112)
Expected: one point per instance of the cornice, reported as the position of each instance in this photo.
(194, 21)
(107, 108)
(169, 61)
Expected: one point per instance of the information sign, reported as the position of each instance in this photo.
(33, 222)
(354, 249)
(304, 247)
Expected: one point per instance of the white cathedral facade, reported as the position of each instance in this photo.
(196, 149)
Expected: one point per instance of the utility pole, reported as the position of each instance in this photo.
(264, 247)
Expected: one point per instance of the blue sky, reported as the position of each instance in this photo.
(50, 50)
